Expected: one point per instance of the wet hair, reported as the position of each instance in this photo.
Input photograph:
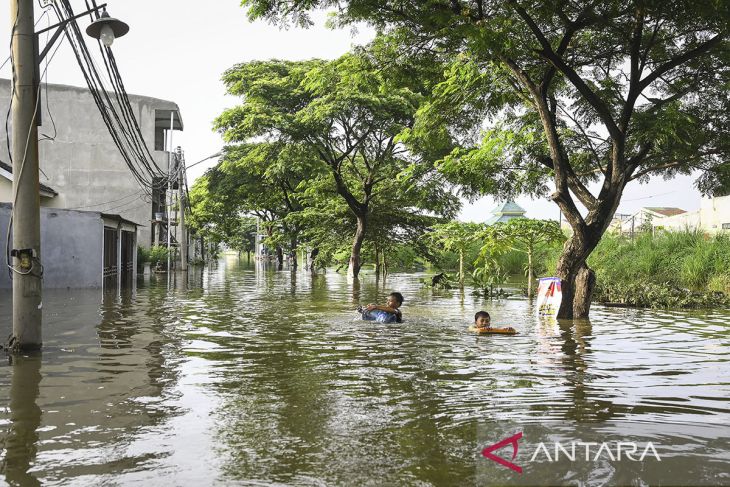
(481, 314)
(398, 297)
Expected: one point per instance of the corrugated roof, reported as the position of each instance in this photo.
(666, 210)
(114, 216)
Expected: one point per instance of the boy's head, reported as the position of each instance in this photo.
(395, 300)
(482, 319)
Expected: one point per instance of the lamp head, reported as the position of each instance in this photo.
(107, 29)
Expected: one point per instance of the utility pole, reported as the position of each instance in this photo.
(181, 210)
(168, 198)
(26, 252)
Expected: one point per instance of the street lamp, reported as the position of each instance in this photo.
(26, 267)
(106, 29)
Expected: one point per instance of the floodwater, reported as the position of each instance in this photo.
(238, 376)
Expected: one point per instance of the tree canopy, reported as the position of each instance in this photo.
(346, 115)
(577, 98)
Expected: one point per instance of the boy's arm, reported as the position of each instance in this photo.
(387, 309)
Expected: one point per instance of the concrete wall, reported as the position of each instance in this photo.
(686, 221)
(714, 212)
(82, 163)
(72, 243)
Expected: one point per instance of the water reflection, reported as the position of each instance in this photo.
(239, 372)
(20, 437)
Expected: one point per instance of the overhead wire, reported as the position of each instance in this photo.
(119, 118)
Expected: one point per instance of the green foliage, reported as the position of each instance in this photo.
(685, 259)
(645, 294)
(487, 276)
(263, 180)
(143, 255)
(332, 132)
(523, 235)
(158, 255)
(674, 269)
(520, 235)
(578, 94)
(455, 236)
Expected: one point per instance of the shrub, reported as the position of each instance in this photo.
(158, 255)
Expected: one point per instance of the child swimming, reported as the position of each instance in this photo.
(482, 324)
(390, 313)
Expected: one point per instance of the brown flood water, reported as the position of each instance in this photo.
(245, 376)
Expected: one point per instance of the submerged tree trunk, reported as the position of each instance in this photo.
(577, 279)
(279, 257)
(378, 267)
(312, 256)
(530, 275)
(461, 269)
(355, 260)
(294, 255)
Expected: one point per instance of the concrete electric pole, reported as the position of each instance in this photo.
(181, 211)
(26, 252)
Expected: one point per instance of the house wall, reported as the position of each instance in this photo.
(6, 190)
(82, 163)
(71, 248)
(677, 223)
(714, 212)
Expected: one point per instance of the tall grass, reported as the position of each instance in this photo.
(688, 259)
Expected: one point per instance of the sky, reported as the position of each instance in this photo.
(178, 49)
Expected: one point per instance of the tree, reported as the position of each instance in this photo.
(456, 237)
(262, 180)
(574, 93)
(348, 114)
(522, 235)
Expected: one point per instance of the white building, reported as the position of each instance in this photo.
(712, 217)
(643, 220)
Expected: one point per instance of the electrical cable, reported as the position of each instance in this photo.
(124, 129)
(136, 193)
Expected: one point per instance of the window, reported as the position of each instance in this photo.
(726, 226)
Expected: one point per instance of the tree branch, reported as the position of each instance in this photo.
(557, 61)
(678, 60)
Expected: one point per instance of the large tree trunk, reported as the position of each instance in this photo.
(577, 279)
(355, 262)
(279, 257)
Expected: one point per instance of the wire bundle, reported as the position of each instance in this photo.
(114, 106)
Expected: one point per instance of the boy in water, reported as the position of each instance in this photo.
(390, 313)
(482, 320)
(482, 323)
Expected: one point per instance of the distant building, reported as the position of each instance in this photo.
(506, 212)
(643, 220)
(712, 217)
(81, 167)
(87, 191)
